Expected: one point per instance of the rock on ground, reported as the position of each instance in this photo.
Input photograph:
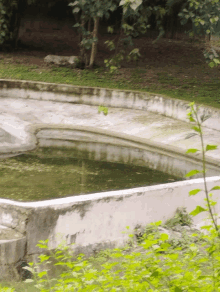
(61, 60)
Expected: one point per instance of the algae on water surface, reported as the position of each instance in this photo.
(53, 173)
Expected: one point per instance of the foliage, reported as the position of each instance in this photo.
(6, 11)
(8, 29)
(91, 9)
(103, 109)
(135, 21)
(204, 15)
(181, 217)
(6, 289)
(194, 118)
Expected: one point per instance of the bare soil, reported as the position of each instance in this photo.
(180, 57)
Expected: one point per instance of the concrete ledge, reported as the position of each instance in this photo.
(110, 146)
(70, 218)
(11, 251)
(167, 106)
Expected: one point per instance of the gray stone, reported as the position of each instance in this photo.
(6, 137)
(61, 60)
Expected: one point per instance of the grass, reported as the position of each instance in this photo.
(177, 70)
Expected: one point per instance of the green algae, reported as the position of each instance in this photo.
(49, 173)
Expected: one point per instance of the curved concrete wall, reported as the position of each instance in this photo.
(167, 106)
(108, 146)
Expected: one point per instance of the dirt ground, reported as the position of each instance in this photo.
(181, 52)
(170, 64)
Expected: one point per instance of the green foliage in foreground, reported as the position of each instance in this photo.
(162, 267)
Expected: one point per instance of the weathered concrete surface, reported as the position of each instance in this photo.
(96, 221)
(108, 146)
(5, 137)
(13, 248)
(24, 118)
(164, 105)
(39, 113)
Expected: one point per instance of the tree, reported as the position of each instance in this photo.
(204, 15)
(91, 10)
(10, 18)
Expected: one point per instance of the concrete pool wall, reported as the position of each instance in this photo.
(94, 221)
(97, 220)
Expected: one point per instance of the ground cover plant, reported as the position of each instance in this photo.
(162, 266)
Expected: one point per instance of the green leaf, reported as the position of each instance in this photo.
(194, 192)
(29, 281)
(99, 13)
(192, 150)
(178, 289)
(193, 172)
(215, 188)
(216, 61)
(197, 129)
(135, 4)
(211, 64)
(41, 274)
(110, 30)
(211, 147)
(197, 210)
(191, 119)
(76, 10)
(28, 269)
(164, 236)
(212, 203)
(73, 4)
(158, 223)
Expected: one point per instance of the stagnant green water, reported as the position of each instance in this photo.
(52, 173)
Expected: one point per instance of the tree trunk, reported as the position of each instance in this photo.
(94, 45)
(15, 21)
(82, 49)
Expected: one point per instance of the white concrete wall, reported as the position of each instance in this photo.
(107, 97)
(99, 219)
(102, 146)
(96, 221)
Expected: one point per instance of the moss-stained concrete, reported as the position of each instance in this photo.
(97, 220)
(107, 97)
